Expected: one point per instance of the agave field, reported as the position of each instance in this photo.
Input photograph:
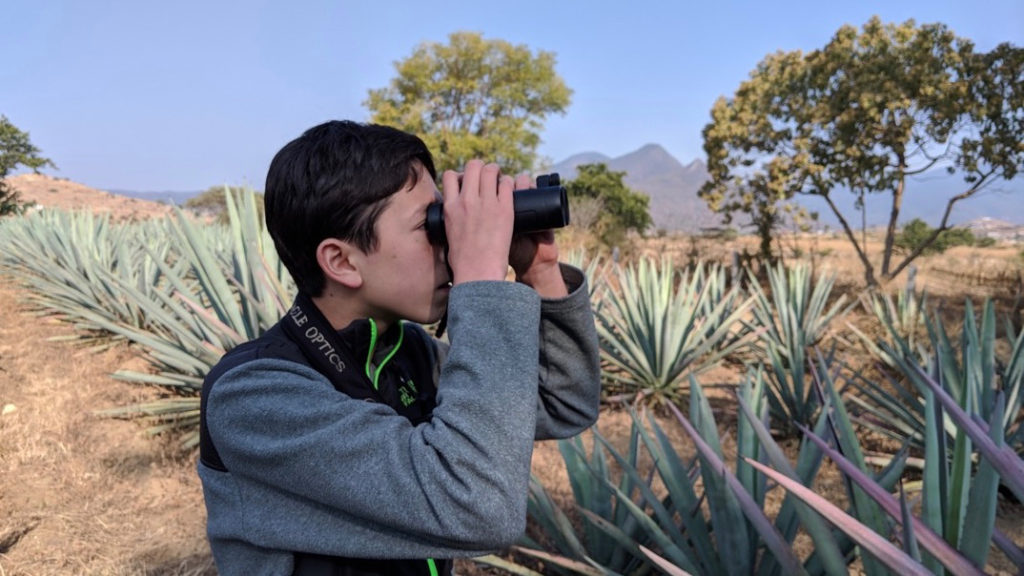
(946, 397)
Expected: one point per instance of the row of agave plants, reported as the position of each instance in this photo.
(184, 293)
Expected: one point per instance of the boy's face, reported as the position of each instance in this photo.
(406, 277)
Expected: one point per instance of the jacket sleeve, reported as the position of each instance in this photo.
(569, 370)
(313, 470)
(569, 390)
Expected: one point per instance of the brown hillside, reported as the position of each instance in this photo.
(50, 192)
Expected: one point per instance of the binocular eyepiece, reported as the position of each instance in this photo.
(542, 208)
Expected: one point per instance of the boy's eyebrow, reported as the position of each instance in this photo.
(420, 211)
(437, 198)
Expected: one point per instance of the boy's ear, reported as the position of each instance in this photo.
(339, 261)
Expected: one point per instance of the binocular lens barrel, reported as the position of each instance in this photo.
(536, 209)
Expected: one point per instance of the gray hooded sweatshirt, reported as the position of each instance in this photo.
(311, 469)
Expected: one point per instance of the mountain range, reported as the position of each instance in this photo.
(672, 187)
(164, 197)
(674, 205)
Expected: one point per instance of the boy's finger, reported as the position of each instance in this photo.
(489, 178)
(470, 188)
(506, 184)
(450, 182)
(523, 181)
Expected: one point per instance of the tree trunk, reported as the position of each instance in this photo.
(894, 216)
(943, 225)
(765, 222)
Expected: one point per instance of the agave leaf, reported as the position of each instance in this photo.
(771, 537)
(931, 541)
(1009, 466)
(960, 475)
(589, 480)
(878, 546)
(654, 331)
(983, 499)
(748, 443)
(656, 533)
(207, 270)
(809, 461)
(683, 497)
(665, 565)
(731, 529)
(501, 563)
(618, 537)
(909, 540)
(563, 562)
(662, 528)
(556, 525)
(833, 560)
(795, 318)
(846, 439)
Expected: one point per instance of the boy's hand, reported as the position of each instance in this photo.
(534, 257)
(478, 217)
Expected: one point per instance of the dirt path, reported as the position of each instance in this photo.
(82, 494)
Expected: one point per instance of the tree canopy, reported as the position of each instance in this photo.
(863, 114)
(15, 150)
(213, 202)
(621, 209)
(473, 98)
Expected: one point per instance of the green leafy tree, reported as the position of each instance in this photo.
(213, 202)
(15, 150)
(916, 232)
(473, 98)
(622, 209)
(864, 114)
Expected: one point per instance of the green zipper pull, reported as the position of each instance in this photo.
(374, 375)
(369, 354)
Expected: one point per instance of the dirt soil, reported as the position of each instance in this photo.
(83, 494)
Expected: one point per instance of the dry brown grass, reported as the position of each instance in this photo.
(977, 272)
(83, 494)
(86, 495)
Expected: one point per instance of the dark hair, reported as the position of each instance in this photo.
(333, 182)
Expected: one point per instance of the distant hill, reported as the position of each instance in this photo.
(165, 197)
(671, 186)
(675, 206)
(926, 197)
(61, 193)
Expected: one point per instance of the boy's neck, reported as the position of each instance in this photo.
(340, 312)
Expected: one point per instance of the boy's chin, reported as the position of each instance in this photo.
(436, 314)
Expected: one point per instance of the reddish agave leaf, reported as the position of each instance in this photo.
(668, 567)
(567, 563)
(935, 544)
(773, 540)
(1009, 466)
(878, 546)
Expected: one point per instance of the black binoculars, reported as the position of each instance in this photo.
(542, 208)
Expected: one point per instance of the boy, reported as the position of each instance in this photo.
(346, 440)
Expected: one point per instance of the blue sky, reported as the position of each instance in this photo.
(155, 96)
